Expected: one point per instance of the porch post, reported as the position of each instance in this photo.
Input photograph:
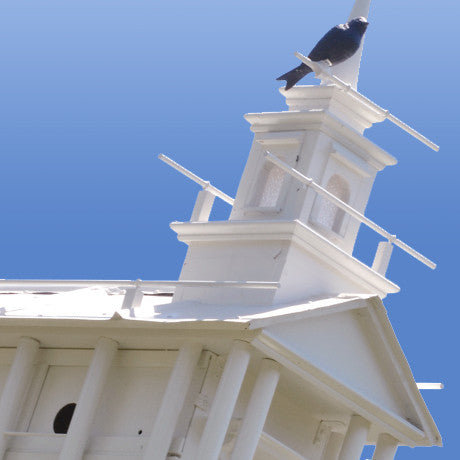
(355, 438)
(173, 400)
(16, 385)
(80, 426)
(256, 411)
(386, 447)
(224, 402)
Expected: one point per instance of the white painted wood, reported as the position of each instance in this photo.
(80, 426)
(173, 400)
(224, 402)
(309, 267)
(138, 392)
(257, 410)
(323, 437)
(349, 209)
(202, 403)
(168, 286)
(430, 386)
(404, 374)
(47, 456)
(133, 297)
(28, 434)
(355, 438)
(333, 447)
(269, 446)
(33, 394)
(203, 206)
(321, 72)
(62, 385)
(382, 257)
(14, 391)
(205, 184)
(321, 440)
(386, 447)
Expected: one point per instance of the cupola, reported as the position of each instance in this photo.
(300, 202)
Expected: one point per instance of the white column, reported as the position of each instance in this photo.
(256, 411)
(355, 438)
(79, 429)
(334, 444)
(203, 206)
(173, 400)
(224, 402)
(386, 446)
(326, 444)
(382, 257)
(16, 385)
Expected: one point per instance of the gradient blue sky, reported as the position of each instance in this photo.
(91, 91)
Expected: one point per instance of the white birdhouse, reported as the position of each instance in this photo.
(274, 344)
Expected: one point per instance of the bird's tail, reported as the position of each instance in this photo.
(294, 75)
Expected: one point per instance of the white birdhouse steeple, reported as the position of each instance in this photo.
(300, 202)
(280, 229)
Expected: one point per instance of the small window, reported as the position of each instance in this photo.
(268, 187)
(329, 215)
(63, 418)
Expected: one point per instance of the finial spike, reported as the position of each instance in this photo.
(360, 8)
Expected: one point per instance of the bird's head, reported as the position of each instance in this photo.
(359, 24)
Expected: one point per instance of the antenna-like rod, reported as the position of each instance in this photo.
(322, 73)
(204, 183)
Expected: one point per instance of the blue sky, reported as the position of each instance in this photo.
(92, 91)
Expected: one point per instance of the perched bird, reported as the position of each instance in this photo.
(339, 44)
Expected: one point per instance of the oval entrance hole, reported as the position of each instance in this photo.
(63, 418)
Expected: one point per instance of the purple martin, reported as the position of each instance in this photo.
(339, 44)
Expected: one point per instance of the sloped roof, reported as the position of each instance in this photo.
(349, 349)
(303, 337)
(105, 303)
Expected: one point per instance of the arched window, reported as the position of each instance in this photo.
(268, 187)
(329, 214)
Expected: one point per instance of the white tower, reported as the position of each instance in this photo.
(280, 230)
(273, 345)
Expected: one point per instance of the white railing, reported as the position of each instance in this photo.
(147, 286)
(348, 209)
(206, 197)
(206, 185)
(134, 290)
(322, 73)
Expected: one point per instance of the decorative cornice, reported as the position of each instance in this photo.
(295, 231)
(371, 410)
(323, 121)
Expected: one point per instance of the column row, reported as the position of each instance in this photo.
(356, 437)
(220, 413)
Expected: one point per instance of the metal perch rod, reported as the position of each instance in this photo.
(321, 72)
(205, 184)
(347, 208)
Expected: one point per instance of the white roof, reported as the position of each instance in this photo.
(104, 303)
(299, 336)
